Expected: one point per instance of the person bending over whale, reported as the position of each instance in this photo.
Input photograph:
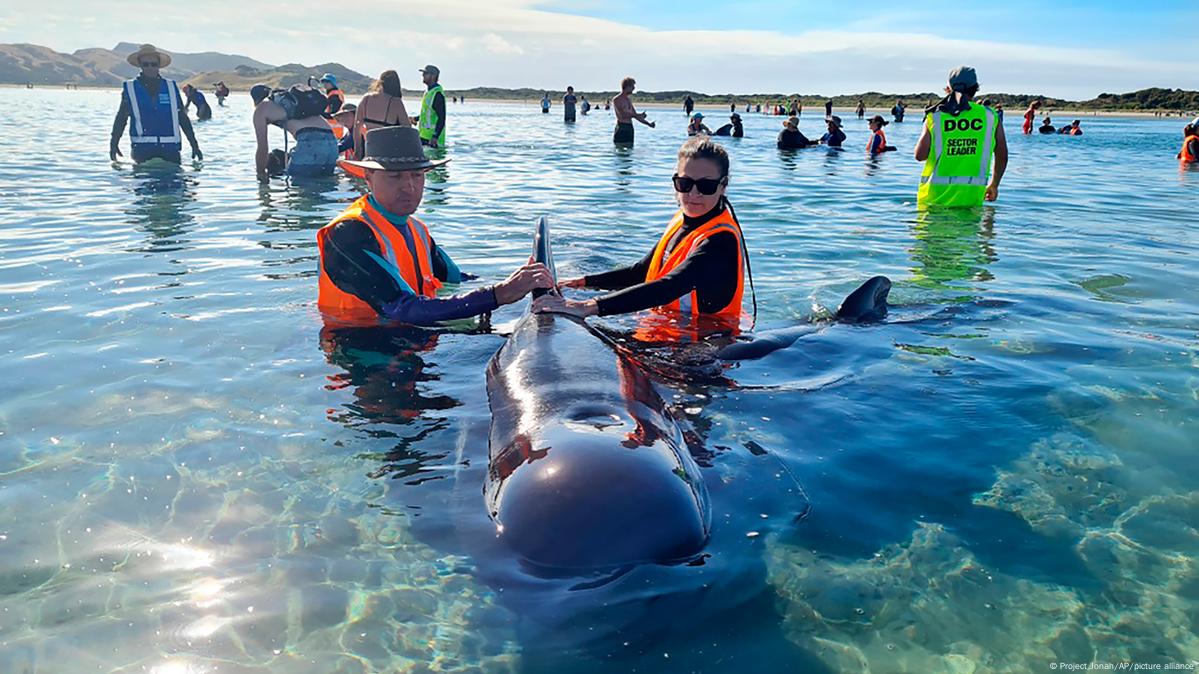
(697, 267)
(378, 262)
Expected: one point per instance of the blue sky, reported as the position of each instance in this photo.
(1061, 48)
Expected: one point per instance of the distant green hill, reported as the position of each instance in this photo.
(244, 77)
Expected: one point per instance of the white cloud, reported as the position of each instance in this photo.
(498, 45)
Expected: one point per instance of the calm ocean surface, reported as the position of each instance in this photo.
(194, 478)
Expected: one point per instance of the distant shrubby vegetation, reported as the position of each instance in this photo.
(1145, 99)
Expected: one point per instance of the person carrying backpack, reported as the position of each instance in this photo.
(298, 112)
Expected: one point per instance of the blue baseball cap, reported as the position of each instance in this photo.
(697, 115)
(330, 78)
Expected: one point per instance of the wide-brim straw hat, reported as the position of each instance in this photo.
(135, 59)
(394, 148)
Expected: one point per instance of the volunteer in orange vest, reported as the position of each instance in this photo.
(1190, 145)
(379, 263)
(878, 140)
(697, 267)
(333, 93)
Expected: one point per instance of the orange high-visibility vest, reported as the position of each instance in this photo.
(411, 256)
(1186, 155)
(662, 263)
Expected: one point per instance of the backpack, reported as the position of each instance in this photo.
(300, 102)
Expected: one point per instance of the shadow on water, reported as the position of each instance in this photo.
(162, 192)
(623, 161)
(951, 246)
(298, 204)
(388, 370)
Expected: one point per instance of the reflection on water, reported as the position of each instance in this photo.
(386, 370)
(161, 194)
(206, 481)
(952, 245)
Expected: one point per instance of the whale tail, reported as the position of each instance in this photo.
(867, 304)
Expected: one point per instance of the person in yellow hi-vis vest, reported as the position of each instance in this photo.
(958, 142)
(431, 122)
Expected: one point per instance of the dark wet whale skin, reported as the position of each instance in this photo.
(587, 467)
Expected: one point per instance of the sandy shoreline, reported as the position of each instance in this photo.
(814, 111)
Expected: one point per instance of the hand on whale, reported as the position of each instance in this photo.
(532, 276)
(867, 304)
(557, 304)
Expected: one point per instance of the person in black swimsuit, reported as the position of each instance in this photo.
(382, 106)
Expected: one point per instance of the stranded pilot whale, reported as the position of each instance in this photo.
(587, 467)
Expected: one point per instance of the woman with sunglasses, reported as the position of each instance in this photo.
(697, 266)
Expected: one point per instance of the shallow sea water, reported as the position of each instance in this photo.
(195, 478)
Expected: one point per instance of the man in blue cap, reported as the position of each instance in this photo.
(336, 97)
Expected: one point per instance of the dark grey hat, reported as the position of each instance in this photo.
(962, 77)
(394, 148)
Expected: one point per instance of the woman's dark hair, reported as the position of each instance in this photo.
(388, 83)
(703, 147)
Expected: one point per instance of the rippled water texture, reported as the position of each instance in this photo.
(195, 478)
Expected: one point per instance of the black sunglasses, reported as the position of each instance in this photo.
(149, 64)
(707, 186)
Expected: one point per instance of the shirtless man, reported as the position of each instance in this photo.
(315, 151)
(626, 113)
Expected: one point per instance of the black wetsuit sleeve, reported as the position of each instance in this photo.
(122, 118)
(439, 110)
(621, 278)
(707, 270)
(348, 262)
(1194, 148)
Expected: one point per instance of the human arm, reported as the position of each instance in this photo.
(118, 127)
(641, 117)
(616, 279)
(439, 110)
(1001, 157)
(185, 125)
(925, 143)
(261, 124)
(706, 270)
(354, 263)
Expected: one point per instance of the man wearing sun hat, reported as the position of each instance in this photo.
(156, 110)
(380, 263)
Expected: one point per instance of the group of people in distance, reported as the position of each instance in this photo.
(323, 126)
(1072, 129)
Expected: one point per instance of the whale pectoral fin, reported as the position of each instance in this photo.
(764, 343)
(866, 304)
